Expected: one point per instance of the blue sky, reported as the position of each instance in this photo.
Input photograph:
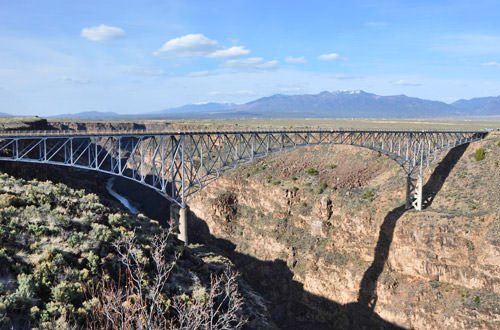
(143, 56)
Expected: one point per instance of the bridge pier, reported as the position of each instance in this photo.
(414, 192)
(181, 216)
(183, 224)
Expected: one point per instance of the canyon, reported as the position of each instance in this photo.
(351, 255)
(334, 247)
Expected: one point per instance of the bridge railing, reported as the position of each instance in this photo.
(43, 133)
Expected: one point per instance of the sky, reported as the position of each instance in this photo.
(135, 57)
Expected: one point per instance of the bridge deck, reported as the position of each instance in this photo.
(69, 133)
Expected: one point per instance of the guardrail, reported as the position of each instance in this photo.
(211, 131)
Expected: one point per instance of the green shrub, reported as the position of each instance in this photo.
(294, 178)
(295, 188)
(93, 261)
(75, 239)
(67, 293)
(4, 319)
(27, 286)
(101, 232)
(3, 254)
(247, 175)
(312, 171)
(498, 144)
(322, 187)
(496, 163)
(268, 178)
(35, 312)
(116, 219)
(333, 166)
(276, 182)
(368, 194)
(39, 230)
(11, 200)
(480, 154)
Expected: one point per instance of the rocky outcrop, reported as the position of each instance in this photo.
(113, 125)
(24, 123)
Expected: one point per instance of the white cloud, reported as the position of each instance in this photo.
(251, 63)
(331, 57)
(491, 64)
(75, 80)
(199, 74)
(102, 33)
(375, 24)
(407, 83)
(146, 72)
(235, 51)
(291, 59)
(189, 45)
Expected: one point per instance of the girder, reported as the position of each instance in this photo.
(177, 164)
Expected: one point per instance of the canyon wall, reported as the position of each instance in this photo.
(346, 245)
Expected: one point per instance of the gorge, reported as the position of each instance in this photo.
(335, 247)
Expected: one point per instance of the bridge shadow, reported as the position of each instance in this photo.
(290, 305)
(367, 296)
(440, 173)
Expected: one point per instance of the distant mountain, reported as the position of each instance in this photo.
(3, 114)
(338, 104)
(480, 106)
(347, 104)
(95, 115)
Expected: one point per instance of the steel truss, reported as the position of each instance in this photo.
(178, 164)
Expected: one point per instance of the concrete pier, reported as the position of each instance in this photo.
(180, 216)
(183, 224)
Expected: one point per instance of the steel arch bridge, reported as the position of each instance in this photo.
(179, 163)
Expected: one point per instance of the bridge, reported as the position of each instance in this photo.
(180, 163)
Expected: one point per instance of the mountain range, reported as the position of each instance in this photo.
(337, 104)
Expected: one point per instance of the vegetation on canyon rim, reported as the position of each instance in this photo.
(68, 260)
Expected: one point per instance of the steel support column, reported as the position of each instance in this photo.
(414, 193)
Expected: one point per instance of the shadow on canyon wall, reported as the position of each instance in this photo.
(291, 306)
(368, 288)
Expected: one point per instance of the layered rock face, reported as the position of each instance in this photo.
(322, 233)
(113, 125)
